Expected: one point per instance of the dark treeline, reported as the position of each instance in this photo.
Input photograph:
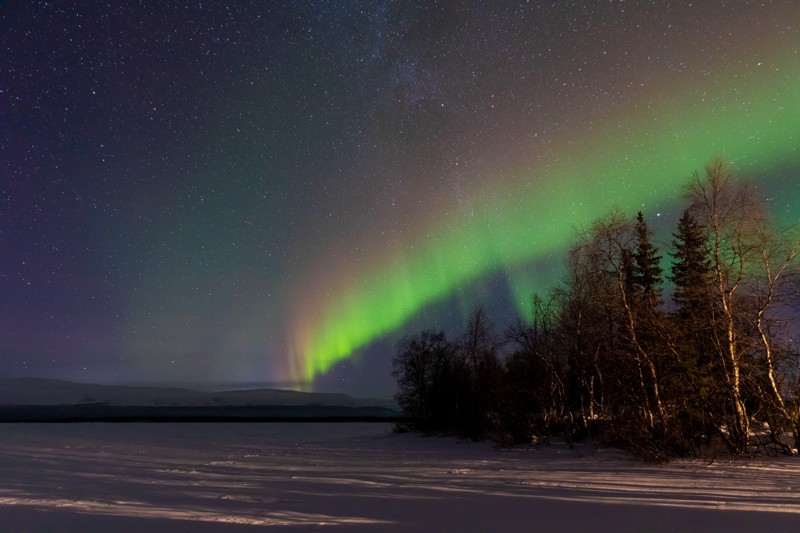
(607, 355)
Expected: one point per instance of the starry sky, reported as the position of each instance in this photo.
(275, 192)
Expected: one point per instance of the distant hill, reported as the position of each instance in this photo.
(35, 399)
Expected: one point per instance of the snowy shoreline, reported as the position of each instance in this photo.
(361, 476)
(184, 414)
(48, 400)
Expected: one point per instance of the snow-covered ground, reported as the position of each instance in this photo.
(360, 477)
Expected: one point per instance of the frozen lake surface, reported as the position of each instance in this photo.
(360, 477)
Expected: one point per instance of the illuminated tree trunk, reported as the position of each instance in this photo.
(778, 261)
(729, 213)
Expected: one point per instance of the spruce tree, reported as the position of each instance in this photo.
(690, 267)
(647, 269)
(699, 393)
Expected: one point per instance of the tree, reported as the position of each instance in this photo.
(691, 268)
(479, 354)
(418, 366)
(603, 353)
(730, 215)
(607, 328)
(772, 295)
(694, 379)
(535, 402)
(647, 269)
(635, 288)
(583, 334)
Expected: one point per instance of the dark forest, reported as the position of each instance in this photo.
(666, 353)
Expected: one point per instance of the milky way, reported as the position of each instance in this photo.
(206, 192)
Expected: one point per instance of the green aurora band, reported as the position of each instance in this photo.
(643, 159)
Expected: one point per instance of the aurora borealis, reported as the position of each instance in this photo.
(203, 192)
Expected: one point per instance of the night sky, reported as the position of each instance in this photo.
(275, 192)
